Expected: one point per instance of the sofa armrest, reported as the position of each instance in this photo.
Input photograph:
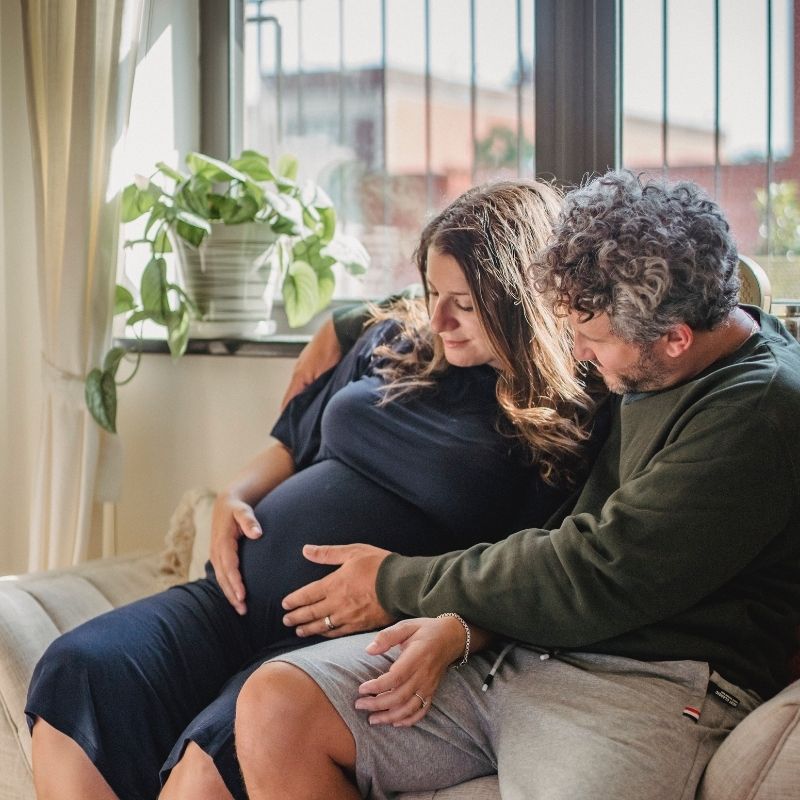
(760, 760)
(34, 610)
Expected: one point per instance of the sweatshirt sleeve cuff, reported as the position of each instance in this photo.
(399, 584)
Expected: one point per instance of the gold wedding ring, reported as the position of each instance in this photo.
(328, 623)
(421, 699)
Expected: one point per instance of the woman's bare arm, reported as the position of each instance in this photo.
(318, 356)
(233, 516)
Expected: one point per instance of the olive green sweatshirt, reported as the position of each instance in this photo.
(683, 544)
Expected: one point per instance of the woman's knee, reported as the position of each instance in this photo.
(195, 775)
(61, 769)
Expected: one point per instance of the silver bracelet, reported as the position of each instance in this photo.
(467, 631)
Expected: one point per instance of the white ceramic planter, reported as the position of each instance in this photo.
(232, 278)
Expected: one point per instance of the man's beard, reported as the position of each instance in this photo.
(646, 375)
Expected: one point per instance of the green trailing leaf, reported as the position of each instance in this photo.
(112, 359)
(136, 201)
(314, 198)
(212, 169)
(192, 197)
(253, 190)
(123, 300)
(287, 167)
(100, 392)
(189, 233)
(321, 200)
(162, 244)
(305, 249)
(194, 220)
(349, 252)
(157, 213)
(328, 219)
(190, 304)
(287, 210)
(153, 290)
(283, 227)
(218, 204)
(129, 209)
(191, 227)
(255, 165)
(242, 211)
(310, 250)
(178, 331)
(138, 316)
(300, 293)
(326, 283)
(167, 170)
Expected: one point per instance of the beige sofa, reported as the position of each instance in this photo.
(759, 761)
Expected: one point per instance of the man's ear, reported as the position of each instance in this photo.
(677, 340)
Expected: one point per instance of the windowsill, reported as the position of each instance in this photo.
(278, 346)
(285, 343)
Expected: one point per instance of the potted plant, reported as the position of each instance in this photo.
(240, 230)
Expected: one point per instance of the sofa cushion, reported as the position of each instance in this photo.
(36, 608)
(760, 760)
(486, 788)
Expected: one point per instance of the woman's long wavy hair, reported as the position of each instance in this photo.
(494, 232)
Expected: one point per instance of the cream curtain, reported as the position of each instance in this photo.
(79, 60)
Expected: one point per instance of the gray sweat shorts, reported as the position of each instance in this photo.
(574, 725)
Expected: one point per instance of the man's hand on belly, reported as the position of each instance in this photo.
(343, 602)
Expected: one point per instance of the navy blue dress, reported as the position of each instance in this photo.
(422, 475)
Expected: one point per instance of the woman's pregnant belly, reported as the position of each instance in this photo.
(326, 503)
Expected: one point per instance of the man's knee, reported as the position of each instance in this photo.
(274, 694)
(280, 709)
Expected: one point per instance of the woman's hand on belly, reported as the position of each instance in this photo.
(232, 518)
(343, 602)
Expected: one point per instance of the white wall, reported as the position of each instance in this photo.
(20, 338)
(186, 424)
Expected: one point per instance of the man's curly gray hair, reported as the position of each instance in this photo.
(649, 254)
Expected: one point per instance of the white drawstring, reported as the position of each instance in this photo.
(497, 662)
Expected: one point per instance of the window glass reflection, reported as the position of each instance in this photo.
(394, 106)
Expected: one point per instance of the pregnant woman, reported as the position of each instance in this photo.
(449, 422)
